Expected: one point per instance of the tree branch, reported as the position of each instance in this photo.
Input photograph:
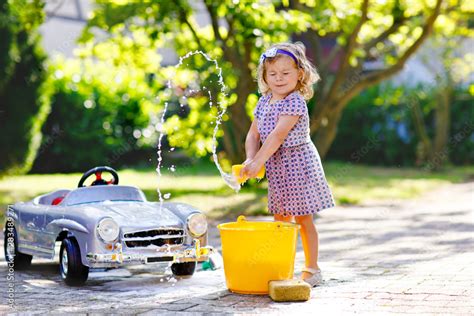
(315, 42)
(378, 76)
(230, 22)
(330, 58)
(313, 39)
(399, 18)
(385, 34)
(247, 56)
(230, 54)
(214, 23)
(349, 48)
(184, 18)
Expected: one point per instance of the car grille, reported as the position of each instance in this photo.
(156, 237)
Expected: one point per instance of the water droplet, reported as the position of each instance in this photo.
(167, 195)
(172, 168)
(172, 149)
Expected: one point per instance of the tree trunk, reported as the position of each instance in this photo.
(228, 141)
(326, 116)
(424, 146)
(327, 131)
(240, 125)
(439, 155)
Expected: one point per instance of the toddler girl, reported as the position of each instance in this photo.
(297, 185)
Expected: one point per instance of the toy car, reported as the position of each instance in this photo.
(105, 225)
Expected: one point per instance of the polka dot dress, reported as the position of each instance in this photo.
(297, 184)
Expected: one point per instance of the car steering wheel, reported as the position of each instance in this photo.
(98, 176)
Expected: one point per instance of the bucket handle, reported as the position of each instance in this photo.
(241, 219)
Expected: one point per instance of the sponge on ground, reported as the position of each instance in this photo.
(289, 290)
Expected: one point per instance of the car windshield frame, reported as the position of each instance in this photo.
(104, 193)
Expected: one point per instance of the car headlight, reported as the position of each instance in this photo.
(108, 230)
(197, 224)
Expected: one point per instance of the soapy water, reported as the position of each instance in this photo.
(229, 179)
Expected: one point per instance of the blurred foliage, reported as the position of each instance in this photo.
(450, 63)
(24, 102)
(385, 132)
(235, 33)
(197, 89)
(109, 102)
(99, 115)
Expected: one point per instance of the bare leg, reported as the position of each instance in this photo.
(310, 240)
(281, 218)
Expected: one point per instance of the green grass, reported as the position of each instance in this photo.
(202, 186)
(355, 184)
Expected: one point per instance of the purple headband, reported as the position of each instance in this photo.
(274, 51)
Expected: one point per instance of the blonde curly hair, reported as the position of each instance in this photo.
(310, 74)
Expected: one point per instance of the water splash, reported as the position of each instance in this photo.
(229, 179)
(160, 158)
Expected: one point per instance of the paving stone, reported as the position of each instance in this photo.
(177, 307)
(405, 257)
(208, 309)
(164, 312)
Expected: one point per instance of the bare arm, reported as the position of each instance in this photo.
(252, 142)
(272, 143)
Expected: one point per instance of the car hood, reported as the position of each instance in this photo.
(141, 214)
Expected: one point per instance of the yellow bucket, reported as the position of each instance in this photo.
(257, 252)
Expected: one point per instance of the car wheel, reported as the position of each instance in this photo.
(183, 268)
(20, 260)
(73, 272)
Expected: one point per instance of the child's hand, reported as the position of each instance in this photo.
(251, 168)
(247, 161)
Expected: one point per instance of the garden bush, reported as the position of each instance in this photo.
(99, 115)
(377, 126)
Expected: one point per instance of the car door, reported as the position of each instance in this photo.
(30, 231)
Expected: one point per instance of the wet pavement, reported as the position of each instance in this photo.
(410, 257)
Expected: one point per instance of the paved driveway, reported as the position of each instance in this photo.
(396, 257)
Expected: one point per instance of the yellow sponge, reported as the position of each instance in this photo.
(236, 172)
(289, 290)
